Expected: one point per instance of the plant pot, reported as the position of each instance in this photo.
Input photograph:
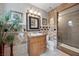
(11, 49)
(1, 49)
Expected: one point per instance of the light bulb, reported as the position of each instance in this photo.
(39, 14)
(35, 12)
(31, 11)
(70, 23)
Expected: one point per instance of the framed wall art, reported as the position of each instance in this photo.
(16, 15)
(44, 21)
(32, 23)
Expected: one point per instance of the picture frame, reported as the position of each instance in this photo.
(44, 21)
(32, 22)
(15, 14)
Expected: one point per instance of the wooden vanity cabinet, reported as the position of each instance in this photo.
(37, 45)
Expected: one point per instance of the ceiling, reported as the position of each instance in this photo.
(46, 6)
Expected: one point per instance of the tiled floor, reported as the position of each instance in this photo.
(56, 52)
(18, 50)
(21, 50)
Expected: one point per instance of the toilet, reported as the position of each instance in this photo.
(51, 43)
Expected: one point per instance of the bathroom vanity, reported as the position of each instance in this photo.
(36, 44)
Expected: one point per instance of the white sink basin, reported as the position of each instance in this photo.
(35, 34)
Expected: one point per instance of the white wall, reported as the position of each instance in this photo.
(22, 7)
(1, 8)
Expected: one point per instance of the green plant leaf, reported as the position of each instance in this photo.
(5, 27)
(10, 39)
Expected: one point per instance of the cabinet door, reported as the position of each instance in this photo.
(37, 45)
(35, 49)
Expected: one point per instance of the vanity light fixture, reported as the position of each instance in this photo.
(32, 11)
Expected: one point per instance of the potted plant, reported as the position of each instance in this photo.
(3, 23)
(7, 31)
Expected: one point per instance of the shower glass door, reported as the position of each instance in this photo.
(68, 27)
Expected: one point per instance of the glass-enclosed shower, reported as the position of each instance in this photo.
(68, 28)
